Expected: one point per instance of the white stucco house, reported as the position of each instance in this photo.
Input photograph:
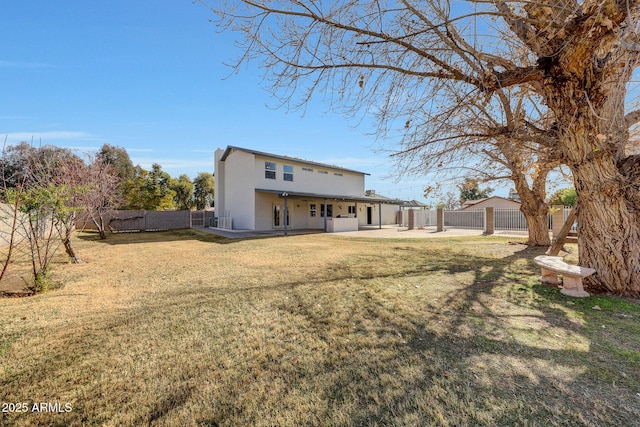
(255, 190)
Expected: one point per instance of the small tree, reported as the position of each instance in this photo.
(10, 200)
(102, 192)
(40, 205)
(70, 181)
(450, 202)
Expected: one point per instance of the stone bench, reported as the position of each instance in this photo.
(572, 275)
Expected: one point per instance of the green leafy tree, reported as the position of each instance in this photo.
(203, 191)
(183, 189)
(119, 159)
(149, 190)
(564, 196)
(470, 190)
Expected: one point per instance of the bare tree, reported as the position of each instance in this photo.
(70, 180)
(102, 192)
(10, 199)
(499, 139)
(393, 58)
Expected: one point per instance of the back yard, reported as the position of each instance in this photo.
(181, 328)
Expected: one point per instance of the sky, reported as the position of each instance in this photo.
(150, 76)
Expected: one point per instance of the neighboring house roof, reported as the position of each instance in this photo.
(471, 203)
(468, 203)
(414, 204)
(230, 148)
(354, 198)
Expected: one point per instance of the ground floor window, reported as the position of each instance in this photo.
(352, 210)
(329, 210)
(312, 210)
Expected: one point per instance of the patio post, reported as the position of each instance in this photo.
(380, 215)
(285, 213)
(324, 209)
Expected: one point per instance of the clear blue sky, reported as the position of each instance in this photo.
(149, 76)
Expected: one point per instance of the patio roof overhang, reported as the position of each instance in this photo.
(355, 198)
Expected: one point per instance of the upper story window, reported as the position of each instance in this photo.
(307, 169)
(324, 172)
(337, 174)
(270, 170)
(288, 173)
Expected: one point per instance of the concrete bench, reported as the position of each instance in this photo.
(572, 275)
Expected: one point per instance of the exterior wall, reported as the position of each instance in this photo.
(299, 216)
(218, 182)
(239, 190)
(263, 205)
(335, 181)
(389, 214)
(315, 222)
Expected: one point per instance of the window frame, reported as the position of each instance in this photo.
(269, 171)
(287, 175)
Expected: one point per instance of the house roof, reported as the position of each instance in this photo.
(354, 198)
(231, 148)
(414, 204)
(470, 203)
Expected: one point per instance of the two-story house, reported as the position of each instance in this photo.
(260, 191)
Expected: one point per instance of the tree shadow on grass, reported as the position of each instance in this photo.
(358, 344)
(456, 364)
(127, 238)
(461, 371)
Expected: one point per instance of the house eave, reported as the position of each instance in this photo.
(352, 198)
(231, 148)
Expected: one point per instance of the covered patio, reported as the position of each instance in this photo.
(331, 215)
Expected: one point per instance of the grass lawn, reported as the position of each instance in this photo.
(181, 328)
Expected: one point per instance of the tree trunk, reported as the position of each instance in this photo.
(537, 224)
(608, 229)
(533, 206)
(100, 225)
(608, 233)
(588, 102)
(68, 247)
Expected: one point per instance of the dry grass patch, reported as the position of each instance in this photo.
(181, 328)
